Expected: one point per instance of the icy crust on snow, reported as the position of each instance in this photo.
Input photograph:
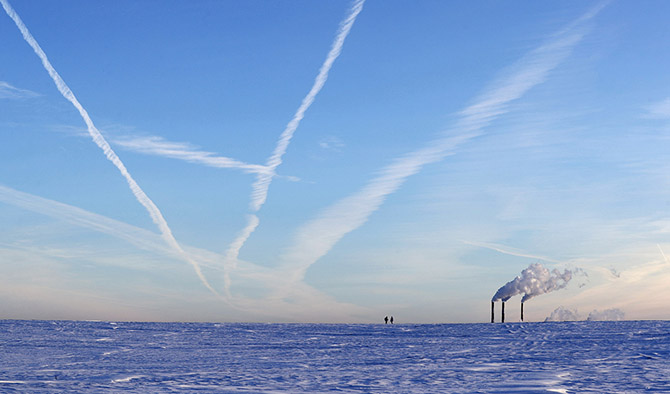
(103, 357)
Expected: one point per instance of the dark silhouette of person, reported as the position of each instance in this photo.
(386, 320)
(391, 319)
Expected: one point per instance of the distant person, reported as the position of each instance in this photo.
(391, 319)
(386, 320)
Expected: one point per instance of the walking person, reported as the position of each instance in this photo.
(386, 320)
(391, 319)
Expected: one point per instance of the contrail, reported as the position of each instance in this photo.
(306, 301)
(157, 146)
(233, 252)
(664, 256)
(99, 140)
(503, 250)
(141, 238)
(318, 236)
(263, 179)
(260, 187)
(7, 91)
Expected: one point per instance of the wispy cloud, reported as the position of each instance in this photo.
(511, 251)
(635, 289)
(331, 143)
(314, 239)
(158, 146)
(260, 187)
(154, 145)
(659, 110)
(102, 143)
(305, 304)
(7, 91)
(139, 237)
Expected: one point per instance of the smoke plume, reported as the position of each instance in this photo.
(563, 314)
(534, 281)
(606, 315)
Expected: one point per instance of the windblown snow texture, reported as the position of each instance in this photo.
(42, 357)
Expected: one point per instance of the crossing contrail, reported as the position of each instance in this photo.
(306, 303)
(99, 140)
(263, 179)
(316, 238)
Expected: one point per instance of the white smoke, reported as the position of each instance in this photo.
(607, 314)
(99, 140)
(534, 281)
(563, 314)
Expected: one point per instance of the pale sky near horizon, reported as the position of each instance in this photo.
(444, 147)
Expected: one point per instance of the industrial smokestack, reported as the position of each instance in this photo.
(492, 314)
(522, 311)
(502, 320)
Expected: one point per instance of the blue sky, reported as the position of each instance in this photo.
(332, 161)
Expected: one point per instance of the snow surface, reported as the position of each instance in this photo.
(104, 357)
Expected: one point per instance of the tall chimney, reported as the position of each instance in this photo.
(492, 314)
(522, 311)
(503, 313)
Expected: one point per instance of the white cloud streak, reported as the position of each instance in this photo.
(510, 251)
(660, 110)
(665, 258)
(141, 238)
(7, 91)
(158, 146)
(260, 187)
(314, 239)
(262, 184)
(100, 141)
(331, 143)
(233, 252)
(306, 303)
